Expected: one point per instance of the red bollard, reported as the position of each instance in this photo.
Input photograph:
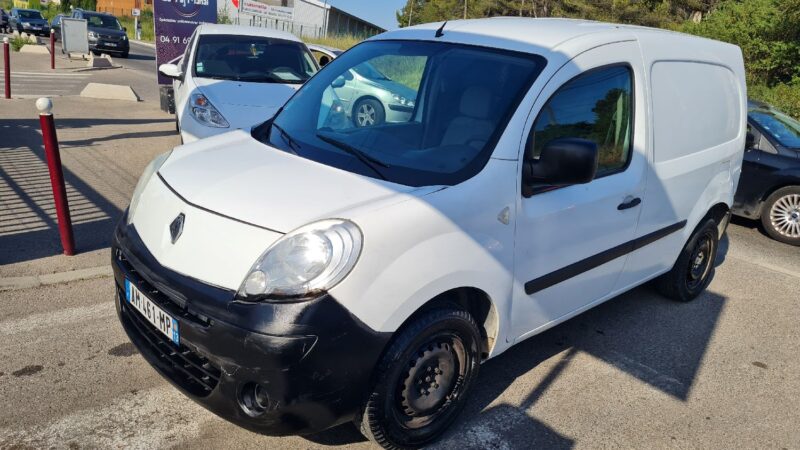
(45, 105)
(7, 62)
(52, 49)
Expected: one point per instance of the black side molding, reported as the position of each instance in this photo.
(584, 265)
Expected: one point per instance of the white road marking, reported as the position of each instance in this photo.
(156, 418)
(56, 318)
(58, 75)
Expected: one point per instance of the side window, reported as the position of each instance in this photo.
(597, 106)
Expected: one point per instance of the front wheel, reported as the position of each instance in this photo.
(781, 215)
(694, 268)
(368, 112)
(124, 54)
(422, 380)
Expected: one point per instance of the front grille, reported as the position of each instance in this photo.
(108, 37)
(191, 371)
(188, 369)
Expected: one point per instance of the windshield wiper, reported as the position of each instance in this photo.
(293, 145)
(366, 159)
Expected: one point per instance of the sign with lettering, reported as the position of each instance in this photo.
(271, 9)
(175, 21)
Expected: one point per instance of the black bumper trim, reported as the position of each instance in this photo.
(314, 359)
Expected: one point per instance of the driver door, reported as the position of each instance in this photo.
(572, 242)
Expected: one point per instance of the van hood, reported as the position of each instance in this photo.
(236, 176)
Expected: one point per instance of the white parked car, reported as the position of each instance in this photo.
(233, 77)
(313, 272)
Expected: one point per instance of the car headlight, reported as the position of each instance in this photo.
(26, 25)
(305, 262)
(124, 37)
(205, 113)
(402, 100)
(151, 169)
(92, 35)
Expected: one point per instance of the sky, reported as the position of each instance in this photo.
(379, 12)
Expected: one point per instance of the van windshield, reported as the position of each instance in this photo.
(102, 21)
(411, 112)
(781, 127)
(252, 58)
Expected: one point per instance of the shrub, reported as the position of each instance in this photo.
(17, 42)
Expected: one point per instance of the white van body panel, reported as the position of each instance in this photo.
(482, 233)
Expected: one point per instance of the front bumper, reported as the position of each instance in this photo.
(313, 359)
(109, 47)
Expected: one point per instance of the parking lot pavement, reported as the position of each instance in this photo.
(637, 372)
(105, 145)
(45, 84)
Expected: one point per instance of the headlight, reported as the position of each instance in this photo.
(305, 262)
(205, 113)
(124, 38)
(92, 35)
(402, 100)
(151, 168)
(26, 25)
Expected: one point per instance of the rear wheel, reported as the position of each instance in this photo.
(422, 380)
(781, 215)
(694, 268)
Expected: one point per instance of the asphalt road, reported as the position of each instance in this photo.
(141, 58)
(636, 372)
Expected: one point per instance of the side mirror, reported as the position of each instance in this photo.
(750, 141)
(125, 29)
(171, 71)
(324, 60)
(563, 162)
(338, 82)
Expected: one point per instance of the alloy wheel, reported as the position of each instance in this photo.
(366, 115)
(785, 216)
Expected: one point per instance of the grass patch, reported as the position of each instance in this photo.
(146, 19)
(17, 42)
(340, 42)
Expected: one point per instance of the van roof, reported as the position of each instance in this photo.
(241, 30)
(529, 34)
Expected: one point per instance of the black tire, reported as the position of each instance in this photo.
(124, 55)
(368, 112)
(422, 380)
(781, 215)
(694, 268)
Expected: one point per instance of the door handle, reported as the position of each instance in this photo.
(629, 202)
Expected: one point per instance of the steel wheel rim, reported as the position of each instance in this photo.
(366, 115)
(449, 352)
(700, 262)
(785, 216)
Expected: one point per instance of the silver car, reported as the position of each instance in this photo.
(368, 97)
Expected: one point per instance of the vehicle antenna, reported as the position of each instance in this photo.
(440, 31)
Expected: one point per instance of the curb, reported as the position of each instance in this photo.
(17, 283)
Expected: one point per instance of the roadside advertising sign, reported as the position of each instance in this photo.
(175, 21)
(136, 12)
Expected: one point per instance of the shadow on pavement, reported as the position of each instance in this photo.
(658, 341)
(28, 227)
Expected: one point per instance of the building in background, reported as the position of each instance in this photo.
(123, 8)
(304, 18)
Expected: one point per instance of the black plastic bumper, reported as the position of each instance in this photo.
(313, 359)
(100, 46)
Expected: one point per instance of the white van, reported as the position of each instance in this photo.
(313, 272)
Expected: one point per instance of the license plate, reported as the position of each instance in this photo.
(109, 44)
(154, 314)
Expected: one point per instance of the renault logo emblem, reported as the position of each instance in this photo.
(176, 227)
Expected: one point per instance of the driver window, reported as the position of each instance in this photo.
(597, 106)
